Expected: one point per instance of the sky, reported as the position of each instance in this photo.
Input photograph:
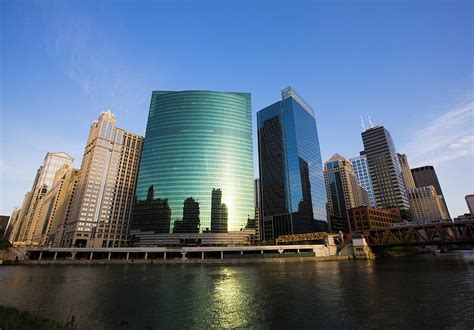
(408, 64)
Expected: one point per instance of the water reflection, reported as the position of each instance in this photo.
(425, 291)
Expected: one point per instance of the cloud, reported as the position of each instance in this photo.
(447, 137)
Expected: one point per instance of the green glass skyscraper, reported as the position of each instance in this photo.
(198, 142)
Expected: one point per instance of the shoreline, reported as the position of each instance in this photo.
(180, 261)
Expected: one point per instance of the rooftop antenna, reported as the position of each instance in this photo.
(363, 125)
(370, 121)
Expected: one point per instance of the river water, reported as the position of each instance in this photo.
(422, 291)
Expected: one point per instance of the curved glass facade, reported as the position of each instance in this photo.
(197, 155)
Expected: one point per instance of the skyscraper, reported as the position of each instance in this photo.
(426, 204)
(426, 176)
(470, 203)
(197, 142)
(291, 174)
(54, 207)
(406, 172)
(103, 202)
(43, 181)
(343, 191)
(385, 170)
(258, 208)
(361, 170)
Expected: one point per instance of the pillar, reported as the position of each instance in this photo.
(222, 254)
(128, 255)
(73, 255)
(41, 255)
(261, 251)
(183, 255)
(242, 252)
(164, 257)
(92, 254)
(55, 255)
(110, 255)
(146, 255)
(202, 255)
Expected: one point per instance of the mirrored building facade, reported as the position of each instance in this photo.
(292, 187)
(197, 155)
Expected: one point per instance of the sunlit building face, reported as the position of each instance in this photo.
(197, 142)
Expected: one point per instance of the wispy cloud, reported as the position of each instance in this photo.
(447, 137)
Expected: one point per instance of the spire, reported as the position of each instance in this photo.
(370, 121)
(363, 125)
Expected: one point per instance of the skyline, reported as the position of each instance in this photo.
(79, 62)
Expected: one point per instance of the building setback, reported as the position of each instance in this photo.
(197, 143)
(385, 170)
(291, 175)
(427, 205)
(103, 202)
(361, 170)
(426, 176)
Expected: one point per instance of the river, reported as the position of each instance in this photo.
(423, 291)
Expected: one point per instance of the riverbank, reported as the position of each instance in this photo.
(267, 259)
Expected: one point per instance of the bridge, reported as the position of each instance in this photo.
(419, 234)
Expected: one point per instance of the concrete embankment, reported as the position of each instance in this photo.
(184, 261)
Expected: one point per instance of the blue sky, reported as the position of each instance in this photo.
(409, 64)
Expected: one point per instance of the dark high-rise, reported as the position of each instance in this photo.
(291, 175)
(190, 222)
(385, 170)
(426, 176)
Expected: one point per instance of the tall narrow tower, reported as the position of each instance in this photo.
(385, 170)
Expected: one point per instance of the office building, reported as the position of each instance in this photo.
(385, 170)
(426, 205)
(4, 219)
(12, 227)
(470, 203)
(104, 197)
(291, 174)
(406, 172)
(368, 218)
(426, 176)
(54, 208)
(43, 181)
(258, 208)
(343, 191)
(361, 170)
(197, 151)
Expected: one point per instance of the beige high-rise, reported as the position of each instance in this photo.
(342, 189)
(427, 205)
(43, 181)
(103, 202)
(406, 172)
(54, 207)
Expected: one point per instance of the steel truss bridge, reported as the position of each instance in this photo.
(439, 233)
